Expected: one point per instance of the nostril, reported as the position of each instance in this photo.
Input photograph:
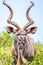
(23, 43)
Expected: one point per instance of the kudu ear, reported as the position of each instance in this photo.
(32, 30)
(9, 29)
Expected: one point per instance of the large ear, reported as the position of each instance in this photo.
(9, 29)
(32, 30)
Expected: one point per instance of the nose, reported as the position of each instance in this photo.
(21, 46)
(23, 43)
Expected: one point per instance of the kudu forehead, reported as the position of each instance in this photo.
(21, 38)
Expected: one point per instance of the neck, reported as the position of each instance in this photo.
(19, 61)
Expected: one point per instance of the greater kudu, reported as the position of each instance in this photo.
(22, 39)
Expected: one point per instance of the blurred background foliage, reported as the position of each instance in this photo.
(6, 42)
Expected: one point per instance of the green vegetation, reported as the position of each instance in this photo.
(6, 42)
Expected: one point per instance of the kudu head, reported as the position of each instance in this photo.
(20, 32)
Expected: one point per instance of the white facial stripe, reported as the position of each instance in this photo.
(21, 36)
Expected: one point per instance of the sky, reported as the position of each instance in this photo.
(19, 8)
